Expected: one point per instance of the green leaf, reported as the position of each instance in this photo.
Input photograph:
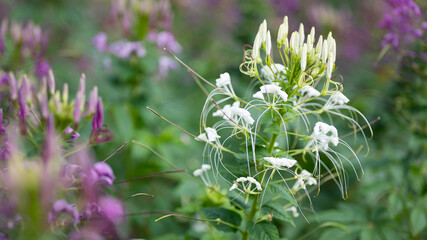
(225, 215)
(418, 221)
(395, 204)
(273, 128)
(263, 231)
(278, 212)
(282, 191)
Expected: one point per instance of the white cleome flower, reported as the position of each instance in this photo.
(223, 80)
(246, 183)
(271, 89)
(280, 162)
(303, 179)
(202, 172)
(309, 92)
(241, 113)
(269, 73)
(224, 83)
(336, 100)
(322, 135)
(294, 211)
(210, 136)
(225, 111)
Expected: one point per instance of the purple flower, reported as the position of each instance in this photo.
(73, 134)
(166, 64)
(124, 49)
(100, 132)
(4, 79)
(42, 68)
(98, 118)
(165, 40)
(284, 7)
(111, 208)
(100, 41)
(23, 93)
(102, 172)
(62, 206)
(402, 23)
(4, 143)
(86, 234)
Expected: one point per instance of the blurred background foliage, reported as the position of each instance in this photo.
(389, 202)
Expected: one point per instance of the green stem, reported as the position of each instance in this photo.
(250, 218)
(272, 141)
(254, 209)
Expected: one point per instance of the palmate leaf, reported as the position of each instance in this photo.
(225, 215)
(263, 231)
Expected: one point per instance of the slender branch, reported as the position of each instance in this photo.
(191, 70)
(137, 195)
(148, 175)
(120, 148)
(173, 124)
(359, 129)
(218, 220)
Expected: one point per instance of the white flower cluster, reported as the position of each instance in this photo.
(322, 135)
(246, 185)
(289, 91)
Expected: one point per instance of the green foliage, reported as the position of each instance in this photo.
(263, 231)
(224, 215)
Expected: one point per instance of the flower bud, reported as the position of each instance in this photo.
(301, 34)
(268, 44)
(304, 57)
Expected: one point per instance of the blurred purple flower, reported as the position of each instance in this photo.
(42, 68)
(86, 234)
(285, 7)
(100, 41)
(402, 23)
(62, 206)
(102, 173)
(111, 208)
(23, 94)
(100, 132)
(4, 143)
(4, 79)
(166, 64)
(124, 49)
(73, 134)
(98, 118)
(165, 40)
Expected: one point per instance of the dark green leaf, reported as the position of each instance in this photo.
(225, 215)
(278, 212)
(395, 204)
(263, 231)
(418, 221)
